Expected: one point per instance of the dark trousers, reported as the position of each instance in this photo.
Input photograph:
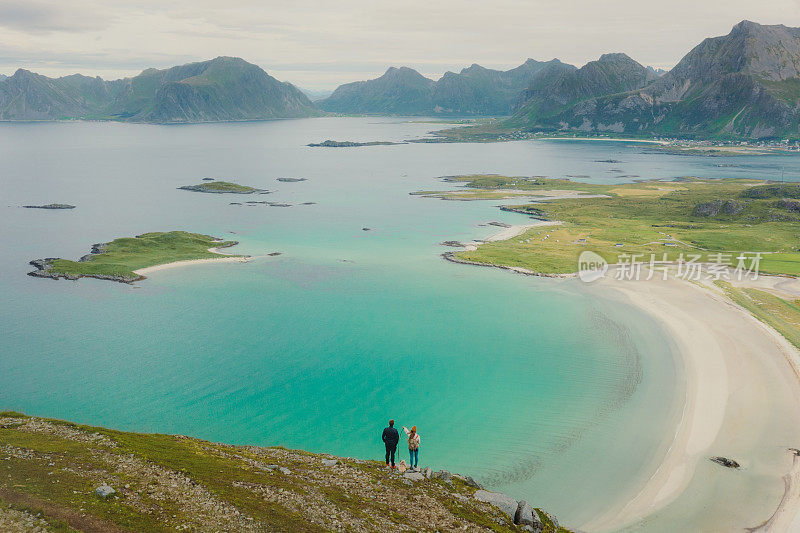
(390, 453)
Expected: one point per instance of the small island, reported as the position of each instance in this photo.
(350, 144)
(49, 206)
(223, 187)
(125, 260)
(291, 180)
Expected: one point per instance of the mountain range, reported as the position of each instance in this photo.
(473, 91)
(224, 88)
(745, 85)
(742, 85)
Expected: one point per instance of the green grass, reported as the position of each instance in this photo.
(782, 315)
(52, 469)
(122, 256)
(653, 217)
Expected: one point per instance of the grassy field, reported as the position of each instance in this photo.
(716, 220)
(120, 257)
(50, 470)
(221, 187)
(782, 315)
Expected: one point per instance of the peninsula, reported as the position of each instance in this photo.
(708, 218)
(127, 259)
(57, 474)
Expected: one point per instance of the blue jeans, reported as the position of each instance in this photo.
(413, 457)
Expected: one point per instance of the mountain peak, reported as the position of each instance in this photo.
(615, 56)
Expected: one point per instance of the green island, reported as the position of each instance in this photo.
(350, 144)
(62, 476)
(119, 259)
(222, 187)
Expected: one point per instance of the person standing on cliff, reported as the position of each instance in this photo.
(413, 446)
(390, 438)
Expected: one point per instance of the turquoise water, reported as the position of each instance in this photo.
(528, 384)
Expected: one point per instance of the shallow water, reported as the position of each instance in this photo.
(522, 382)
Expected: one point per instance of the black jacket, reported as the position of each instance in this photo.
(390, 436)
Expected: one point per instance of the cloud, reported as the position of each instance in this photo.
(317, 43)
(48, 16)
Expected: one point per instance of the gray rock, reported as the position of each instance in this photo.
(469, 480)
(724, 461)
(505, 503)
(526, 516)
(427, 472)
(285, 470)
(104, 491)
(330, 462)
(444, 475)
(414, 476)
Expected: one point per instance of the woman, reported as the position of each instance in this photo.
(413, 446)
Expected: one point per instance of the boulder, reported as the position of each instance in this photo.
(505, 503)
(724, 461)
(413, 476)
(469, 480)
(427, 472)
(444, 475)
(526, 516)
(104, 491)
(330, 462)
(285, 470)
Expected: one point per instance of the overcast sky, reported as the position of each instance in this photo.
(320, 45)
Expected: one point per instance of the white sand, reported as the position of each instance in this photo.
(509, 233)
(224, 258)
(737, 371)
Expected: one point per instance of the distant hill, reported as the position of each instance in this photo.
(399, 91)
(742, 85)
(474, 91)
(221, 89)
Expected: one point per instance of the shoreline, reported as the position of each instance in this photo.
(728, 360)
(726, 355)
(224, 258)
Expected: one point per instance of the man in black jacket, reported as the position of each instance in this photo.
(390, 438)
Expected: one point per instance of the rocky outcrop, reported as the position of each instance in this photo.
(715, 207)
(724, 461)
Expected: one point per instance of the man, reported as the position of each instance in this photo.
(390, 438)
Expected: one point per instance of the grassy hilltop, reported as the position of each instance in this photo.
(51, 471)
(685, 216)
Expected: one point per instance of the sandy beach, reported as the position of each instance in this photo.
(224, 258)
(741, 382)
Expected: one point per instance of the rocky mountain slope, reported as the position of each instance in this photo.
(742, 85)
(473, 91)
(59, 476)
(553, 91)
(224, 88)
